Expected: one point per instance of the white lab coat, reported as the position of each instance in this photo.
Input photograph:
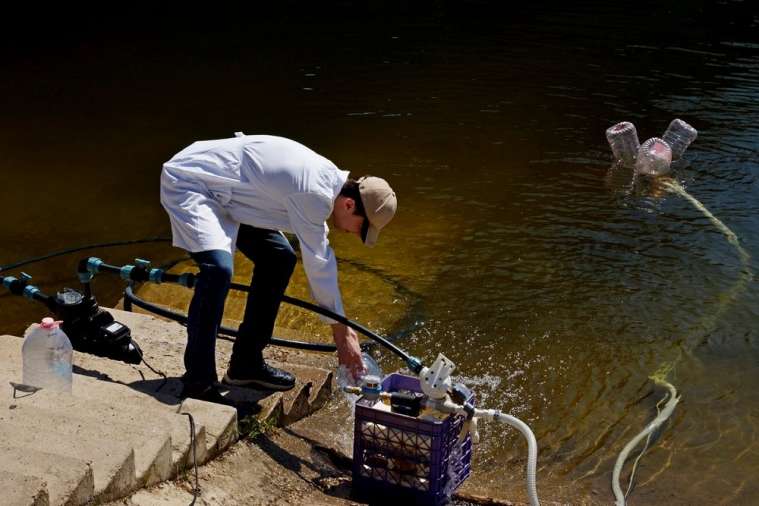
(211, 187)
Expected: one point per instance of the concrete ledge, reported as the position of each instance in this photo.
(112, 461)
(220, 424)
(69, 481)
(21, 490)
(75, 419)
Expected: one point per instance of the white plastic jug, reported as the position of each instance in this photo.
(47, 357)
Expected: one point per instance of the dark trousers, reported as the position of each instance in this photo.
(274, 261)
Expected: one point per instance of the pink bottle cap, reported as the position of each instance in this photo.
(49, 323)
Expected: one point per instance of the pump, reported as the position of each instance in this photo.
(90, 328)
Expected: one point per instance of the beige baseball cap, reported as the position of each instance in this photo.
(379, 204)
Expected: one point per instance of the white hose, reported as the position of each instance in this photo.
(532, 448)
(706, 325)
(652, 426)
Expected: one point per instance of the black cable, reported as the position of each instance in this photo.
(27, 261)
(196, 490)
(155, 371)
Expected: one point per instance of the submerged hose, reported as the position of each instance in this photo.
(707, 324)
(662, 417)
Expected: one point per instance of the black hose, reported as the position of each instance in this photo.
(21, 263)
(181, 318)
(224, 332)
(130, 297)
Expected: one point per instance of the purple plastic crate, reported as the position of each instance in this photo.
(396, 456)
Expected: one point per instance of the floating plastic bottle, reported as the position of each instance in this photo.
(623, 139)
(679, 135)
(654, 157)
(47, 357)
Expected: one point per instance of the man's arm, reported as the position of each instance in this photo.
(308, 214)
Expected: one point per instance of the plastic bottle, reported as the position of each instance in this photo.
(47, 356)
(654, 157)
(623, 139)
(679, 135)
(345, 378)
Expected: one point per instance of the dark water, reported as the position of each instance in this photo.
(555, 283)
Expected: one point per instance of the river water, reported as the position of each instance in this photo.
(554, 281)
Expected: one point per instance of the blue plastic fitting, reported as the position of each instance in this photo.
(30, 290)
(414, 364)
(7, 280)
(126, 271)
(155, 275)
(371, 392)
(141, 262)
(184, 279)
(93, 265)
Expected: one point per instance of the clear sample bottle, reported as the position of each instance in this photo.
(679, 136)
(654, 157)
(623, 139)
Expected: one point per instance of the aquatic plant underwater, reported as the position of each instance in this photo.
(653, 159)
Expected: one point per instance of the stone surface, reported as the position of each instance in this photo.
(69, 480)
(23, 490)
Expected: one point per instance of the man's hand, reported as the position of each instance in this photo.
(348, 350)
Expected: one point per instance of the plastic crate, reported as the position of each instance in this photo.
(398, 457)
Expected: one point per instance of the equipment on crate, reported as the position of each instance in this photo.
(91, 329)
(419, 410)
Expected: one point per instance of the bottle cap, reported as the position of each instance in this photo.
(49, 323)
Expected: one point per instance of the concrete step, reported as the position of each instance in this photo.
(112, 461)
(69, 481)
(118, 403)
(220, 424)
(163, 345)
(21, 490)
(76, 419)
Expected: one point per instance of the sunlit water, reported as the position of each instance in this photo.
(556, 283)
